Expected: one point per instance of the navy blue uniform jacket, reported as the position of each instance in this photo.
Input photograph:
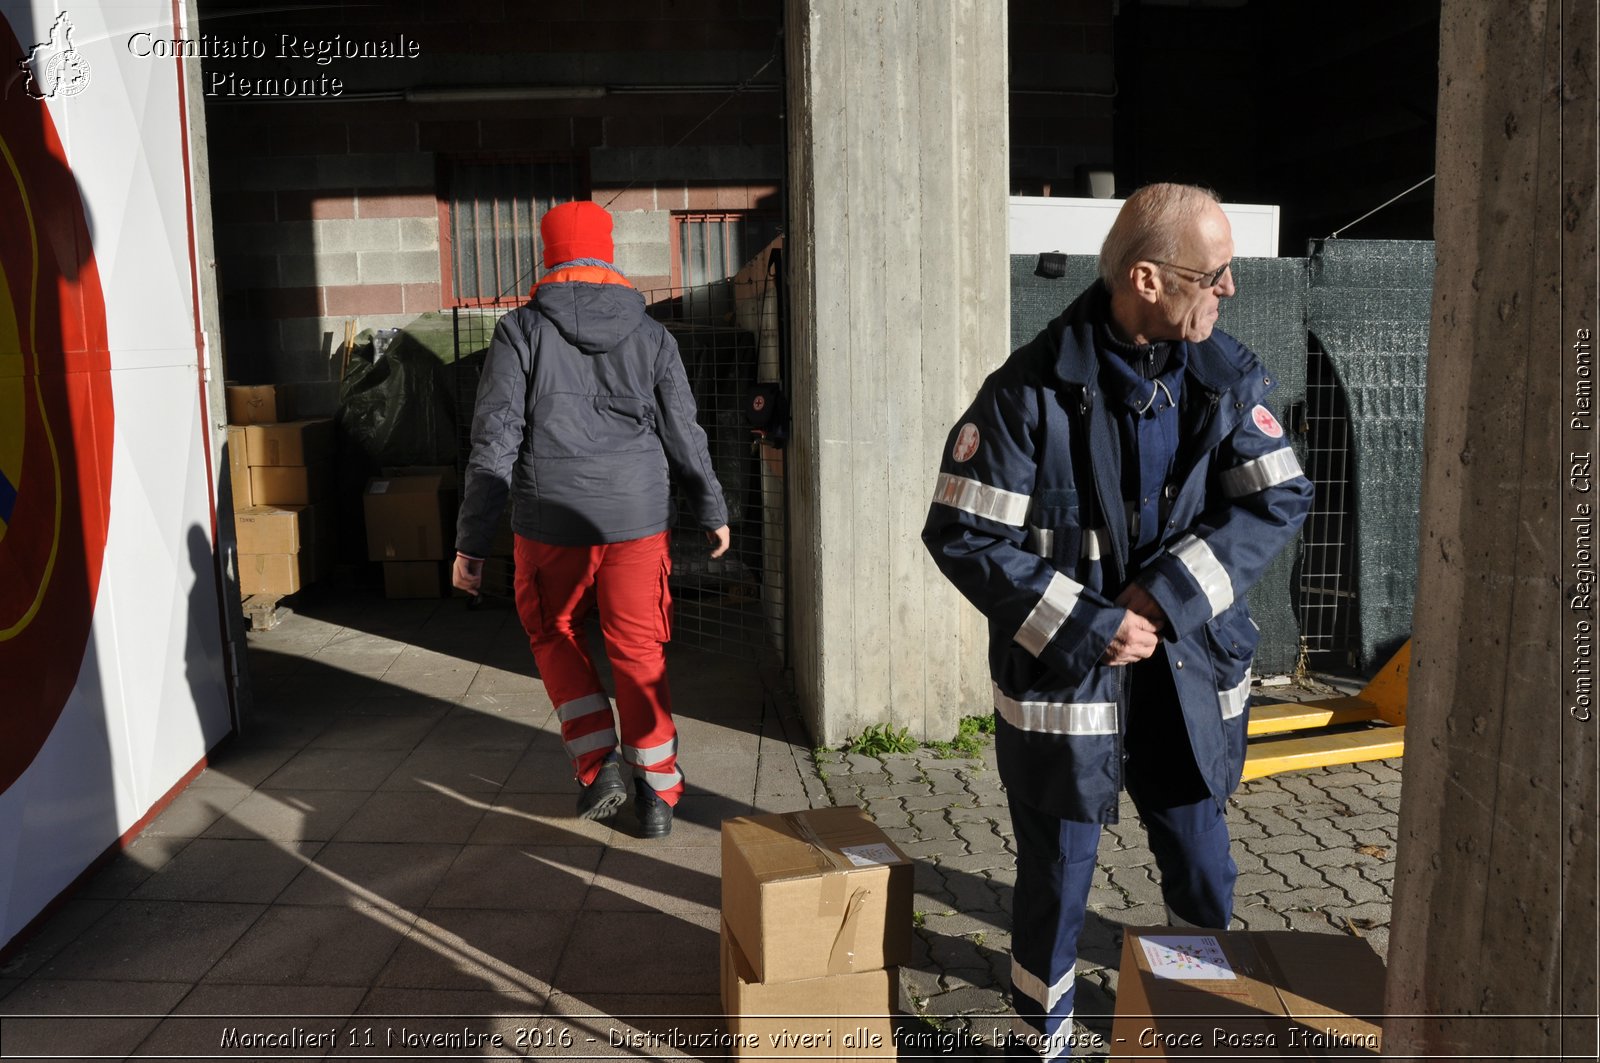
(1029, 524)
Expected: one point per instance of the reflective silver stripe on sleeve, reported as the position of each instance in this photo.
(1270, 470)
(603, 739)
(659, 780)
(650, 754)
(578, 708)
(1233, 701)
(1049, 614)
(981, 500)
(1032, 986)
(1207, 571)
(1058, 717)
(1041, 541)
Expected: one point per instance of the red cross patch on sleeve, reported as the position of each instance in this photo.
(1267, 423)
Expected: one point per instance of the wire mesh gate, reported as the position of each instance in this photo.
(729, 335)
(1327, 584)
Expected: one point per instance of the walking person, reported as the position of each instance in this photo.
(582, 410)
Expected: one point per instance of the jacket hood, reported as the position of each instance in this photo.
(593, 308)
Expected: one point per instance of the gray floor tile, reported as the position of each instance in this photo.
(153, 941)
(533, 878)
(660, 879)
(540, 819)
(326, 692)
(289, 815)
(414, 817)
(443, 683)
(468, 771)
(480, 949)
(633, 1026)
(241, 765)
(375, 732)
(7, 985)
(293, 945)
(534, 704)
(354, 874)
(88, 1024)
(63, 928)
(335, 769)
(387, 701)
(143, 857)
(514, 680)
(196, 809)
(264, 729)
(463, 730)
(392, 1017)
(426, 659)
(603, 942)
(543, 769)
(718, 774)
(198, 1026)
(233, 870)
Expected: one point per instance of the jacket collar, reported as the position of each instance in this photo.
(1217, 363)
(581, 274)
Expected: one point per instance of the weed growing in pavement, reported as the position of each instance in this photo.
(880, 738)
(966, 742)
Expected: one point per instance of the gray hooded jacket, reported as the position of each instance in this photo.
(582, 407)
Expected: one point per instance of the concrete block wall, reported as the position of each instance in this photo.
(330, 210)
(1062, 84)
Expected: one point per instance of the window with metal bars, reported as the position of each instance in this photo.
(489, 218)
(713, 247)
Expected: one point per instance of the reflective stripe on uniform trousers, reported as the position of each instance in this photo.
(1233, 701)
(1270, 470)
(580, 709)
(651, 754)
(981, 500)
(1207, 571)
(1049, 613)
(1032, 986)
(658, 780)
(1058, 717)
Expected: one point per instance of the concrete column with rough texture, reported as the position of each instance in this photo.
(1494, 912)
(899, 307)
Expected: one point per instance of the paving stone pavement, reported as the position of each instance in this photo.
(1315, 851)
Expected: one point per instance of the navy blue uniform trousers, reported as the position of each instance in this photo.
(1188, 835)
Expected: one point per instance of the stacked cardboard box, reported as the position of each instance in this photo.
(411, 528)
(816, 917)
(282, 473)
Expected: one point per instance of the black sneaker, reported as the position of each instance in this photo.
(655, 815)
(602, 798)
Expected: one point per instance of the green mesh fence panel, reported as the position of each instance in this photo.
(1369, 305)
(1268, 315)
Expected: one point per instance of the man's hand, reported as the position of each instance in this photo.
(1134, 641)
(1136, 599)
(467, 573)
(718, 540)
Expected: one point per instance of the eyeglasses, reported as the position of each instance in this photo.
(1204, 278)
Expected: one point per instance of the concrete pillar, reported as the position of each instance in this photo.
(1494, 910)
(899, 307)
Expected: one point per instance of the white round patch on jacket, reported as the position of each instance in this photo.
(966, 442)
(1266, 422)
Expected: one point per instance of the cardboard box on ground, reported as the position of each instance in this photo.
(1188, 993)
(411, 520)
(816, 916)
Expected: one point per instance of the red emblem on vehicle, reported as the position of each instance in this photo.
(1266, 422)
(966, 442)
(758, 403)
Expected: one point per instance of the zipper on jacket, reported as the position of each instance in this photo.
(1122, 725)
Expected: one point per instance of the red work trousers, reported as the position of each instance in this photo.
(556, 585)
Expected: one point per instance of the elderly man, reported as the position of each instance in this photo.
(1106, 501)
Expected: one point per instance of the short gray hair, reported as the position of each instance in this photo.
(1149, 226)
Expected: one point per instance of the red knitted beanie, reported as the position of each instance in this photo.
(581, 229)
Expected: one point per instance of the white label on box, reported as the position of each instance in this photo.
(378, 487)
(1187, 959)
(871, 855)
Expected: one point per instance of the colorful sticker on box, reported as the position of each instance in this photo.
(1187, 959)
